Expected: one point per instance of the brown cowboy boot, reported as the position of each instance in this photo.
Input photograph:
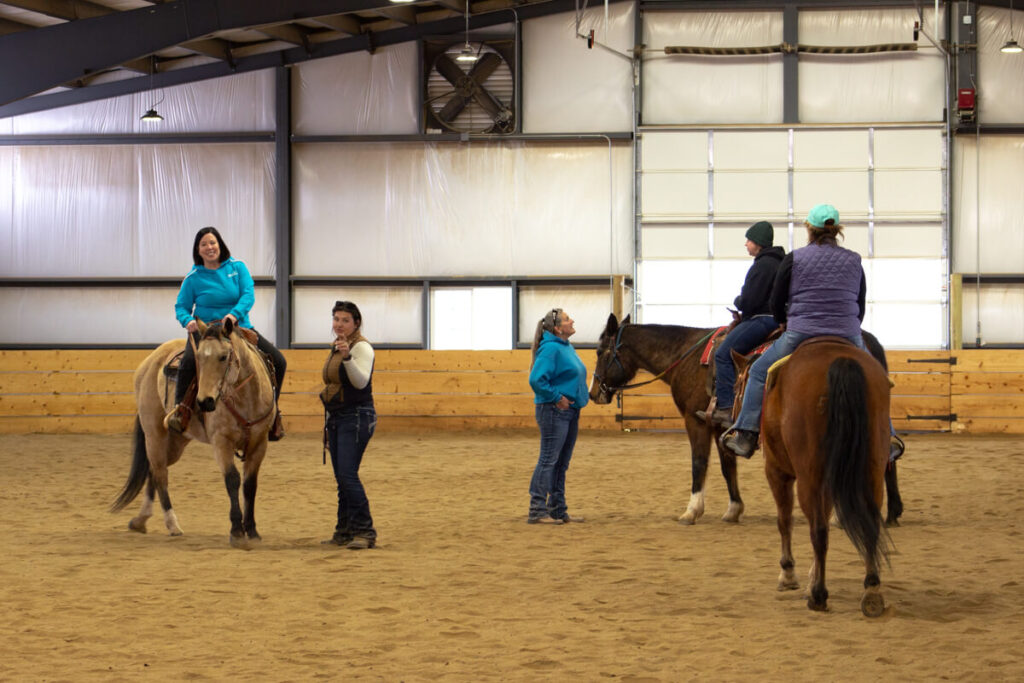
(177, 420)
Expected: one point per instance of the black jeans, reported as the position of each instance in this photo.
(187, 369)
(348, 434)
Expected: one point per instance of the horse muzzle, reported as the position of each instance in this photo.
(207, 404)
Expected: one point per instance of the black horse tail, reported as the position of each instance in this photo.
(139, 472)
(848, 460)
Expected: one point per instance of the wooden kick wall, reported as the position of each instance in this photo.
(90, 391)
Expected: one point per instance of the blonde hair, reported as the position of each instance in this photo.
(546, 324)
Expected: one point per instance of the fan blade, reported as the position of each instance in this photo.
(452, 108)
(449, 69)
(484, 67)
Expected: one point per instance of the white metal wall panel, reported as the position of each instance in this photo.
(477, 209)
(672, 196)
(569, 88)
(1000, 76)
(240, 103)
(680, 150)
(358, 93)
(682, 89)
(391, 315)
(588, 306)
(998, 308)
(884, 87)
(997, 204)
(123, 211)
(115, 315)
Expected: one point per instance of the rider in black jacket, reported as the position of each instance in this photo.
(756, 321)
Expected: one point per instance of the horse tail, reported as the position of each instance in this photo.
(847, 447)
(139, 472)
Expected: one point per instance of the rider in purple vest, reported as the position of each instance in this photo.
(819, 290)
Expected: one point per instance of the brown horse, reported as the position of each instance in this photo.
(825, 427)
(672, 353)
(236, 397)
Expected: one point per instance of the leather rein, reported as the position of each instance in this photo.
(615, 359)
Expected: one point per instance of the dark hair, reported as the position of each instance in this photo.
(225, 253)
(349, 307)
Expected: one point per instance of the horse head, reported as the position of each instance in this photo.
(214, 355)
(614, 368)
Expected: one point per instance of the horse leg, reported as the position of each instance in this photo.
(249, 482)
(782, 490)
(158, 481)
(700, 447)
(732, 483)
(817, 597)
(138, 522)
(894, 502)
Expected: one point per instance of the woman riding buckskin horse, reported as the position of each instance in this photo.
(217, 287)
(820, 289)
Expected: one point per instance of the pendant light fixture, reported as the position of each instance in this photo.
(467, 55)
(1011, 47)
(151, 115)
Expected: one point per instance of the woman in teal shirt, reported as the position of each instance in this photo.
(559, 382)
(217, 287)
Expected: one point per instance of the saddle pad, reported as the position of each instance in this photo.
(709, 348)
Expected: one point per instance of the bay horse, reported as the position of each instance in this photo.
(672, 353)
(825, 427)
(233, 383)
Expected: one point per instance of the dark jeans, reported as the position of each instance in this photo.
(187, 369)
(348, 433)
(558, 429)
(743, 338)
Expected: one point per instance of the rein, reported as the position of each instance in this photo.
(615, 358)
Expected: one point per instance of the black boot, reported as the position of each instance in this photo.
(741, 442)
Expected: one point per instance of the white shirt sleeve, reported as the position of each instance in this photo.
(360, 367)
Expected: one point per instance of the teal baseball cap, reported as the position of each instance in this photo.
(821, 214)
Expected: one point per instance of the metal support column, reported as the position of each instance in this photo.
(283, 206)
(790, 65)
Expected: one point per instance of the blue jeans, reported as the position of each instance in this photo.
(558, 430)
(753, 396)
(743, 338)
(348, 433)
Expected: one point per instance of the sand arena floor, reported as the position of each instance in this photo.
(460, 588)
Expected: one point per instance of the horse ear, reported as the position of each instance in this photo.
(202, 327)
(625, 321)
(228, 326)
(612, 325)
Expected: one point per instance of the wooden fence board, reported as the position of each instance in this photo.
(991, 383)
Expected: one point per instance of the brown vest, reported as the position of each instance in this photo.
(333, 374)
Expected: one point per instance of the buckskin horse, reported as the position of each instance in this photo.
(236, 398)
(672, 354)
(825, 427)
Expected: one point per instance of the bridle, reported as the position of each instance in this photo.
(229, 394)
(605, 388)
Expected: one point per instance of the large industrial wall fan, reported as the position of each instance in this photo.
(469, 87)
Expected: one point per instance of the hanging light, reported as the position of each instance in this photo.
(467, 55)
(151, 115)
(1011, 47)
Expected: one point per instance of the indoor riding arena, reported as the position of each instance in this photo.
(461, 171)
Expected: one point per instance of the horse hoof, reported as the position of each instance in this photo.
(872, 604)
(139, 527)
(732, 515)
(815, 606)
(176, 532)
(240, 542)
(787, 583)
(688, 518)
